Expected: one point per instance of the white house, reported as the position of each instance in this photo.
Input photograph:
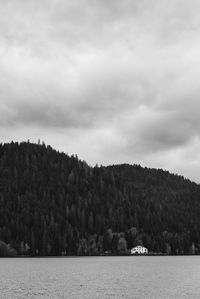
(139, 250)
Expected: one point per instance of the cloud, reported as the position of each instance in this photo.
(113, 81)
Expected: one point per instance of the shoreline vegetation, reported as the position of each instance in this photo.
(100, 255)
(53, 204)
(13, 254)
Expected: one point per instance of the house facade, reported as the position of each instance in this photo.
(139, 250)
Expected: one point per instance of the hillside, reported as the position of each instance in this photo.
(53, 204)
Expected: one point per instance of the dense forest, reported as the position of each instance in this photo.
(55, 204)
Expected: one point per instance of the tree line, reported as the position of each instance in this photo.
(54, 204)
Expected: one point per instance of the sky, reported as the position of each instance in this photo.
(113, 81)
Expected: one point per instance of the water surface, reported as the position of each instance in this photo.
(100, 277)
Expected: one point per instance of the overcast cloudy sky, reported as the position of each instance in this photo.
(113, 81)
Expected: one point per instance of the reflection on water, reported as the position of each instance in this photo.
(100, 277)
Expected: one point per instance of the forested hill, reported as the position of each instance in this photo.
(54, 204)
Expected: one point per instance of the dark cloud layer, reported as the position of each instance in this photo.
(113, 81)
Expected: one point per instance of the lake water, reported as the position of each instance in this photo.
(100, 277)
